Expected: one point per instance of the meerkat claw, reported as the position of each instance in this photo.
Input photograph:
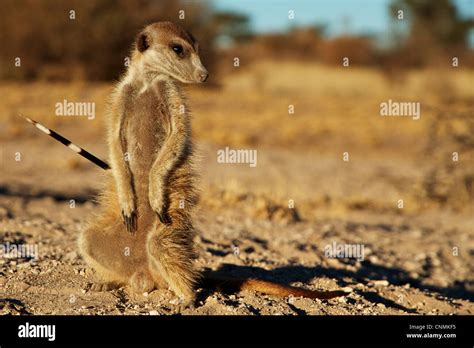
(164, 218)
(130, 222)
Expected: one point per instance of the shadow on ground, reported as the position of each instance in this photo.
(290, 274)
(29, 193)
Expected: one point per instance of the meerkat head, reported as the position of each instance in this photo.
(166, 48)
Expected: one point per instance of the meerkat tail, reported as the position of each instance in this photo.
(269, 288)
(69, 144)
(276, 289)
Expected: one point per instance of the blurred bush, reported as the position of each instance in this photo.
(306, 44)
(436, 32)
(92, 46)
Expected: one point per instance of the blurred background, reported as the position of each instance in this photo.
(91, 43)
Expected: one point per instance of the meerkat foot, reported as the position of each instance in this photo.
(104, 286)
(141, 282)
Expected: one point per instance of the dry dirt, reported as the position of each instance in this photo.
(417, 260)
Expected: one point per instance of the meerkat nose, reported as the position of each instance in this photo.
(204, 75)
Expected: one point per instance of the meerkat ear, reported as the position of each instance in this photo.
(143, 42)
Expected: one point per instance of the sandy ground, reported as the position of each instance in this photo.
(408, 266)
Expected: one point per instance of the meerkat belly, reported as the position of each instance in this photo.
(146, 133)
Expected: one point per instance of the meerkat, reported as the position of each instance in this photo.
(142, 234)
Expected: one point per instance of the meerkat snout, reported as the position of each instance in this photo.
(166, 49)
(202, 75)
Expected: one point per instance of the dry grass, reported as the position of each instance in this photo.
(331, 105)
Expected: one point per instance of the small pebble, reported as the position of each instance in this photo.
(379, 283)
(373, 259)
(175, 301)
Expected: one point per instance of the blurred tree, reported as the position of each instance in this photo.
(434, 26)
(438, 20)
(231, 26)
(94, 44)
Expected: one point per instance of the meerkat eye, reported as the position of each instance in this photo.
(178, 49)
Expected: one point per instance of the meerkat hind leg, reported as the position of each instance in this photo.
(171, 255)
(114, 254)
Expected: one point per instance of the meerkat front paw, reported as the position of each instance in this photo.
(157, 203)
(129, 213)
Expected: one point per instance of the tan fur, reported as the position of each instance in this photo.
(142, 234)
